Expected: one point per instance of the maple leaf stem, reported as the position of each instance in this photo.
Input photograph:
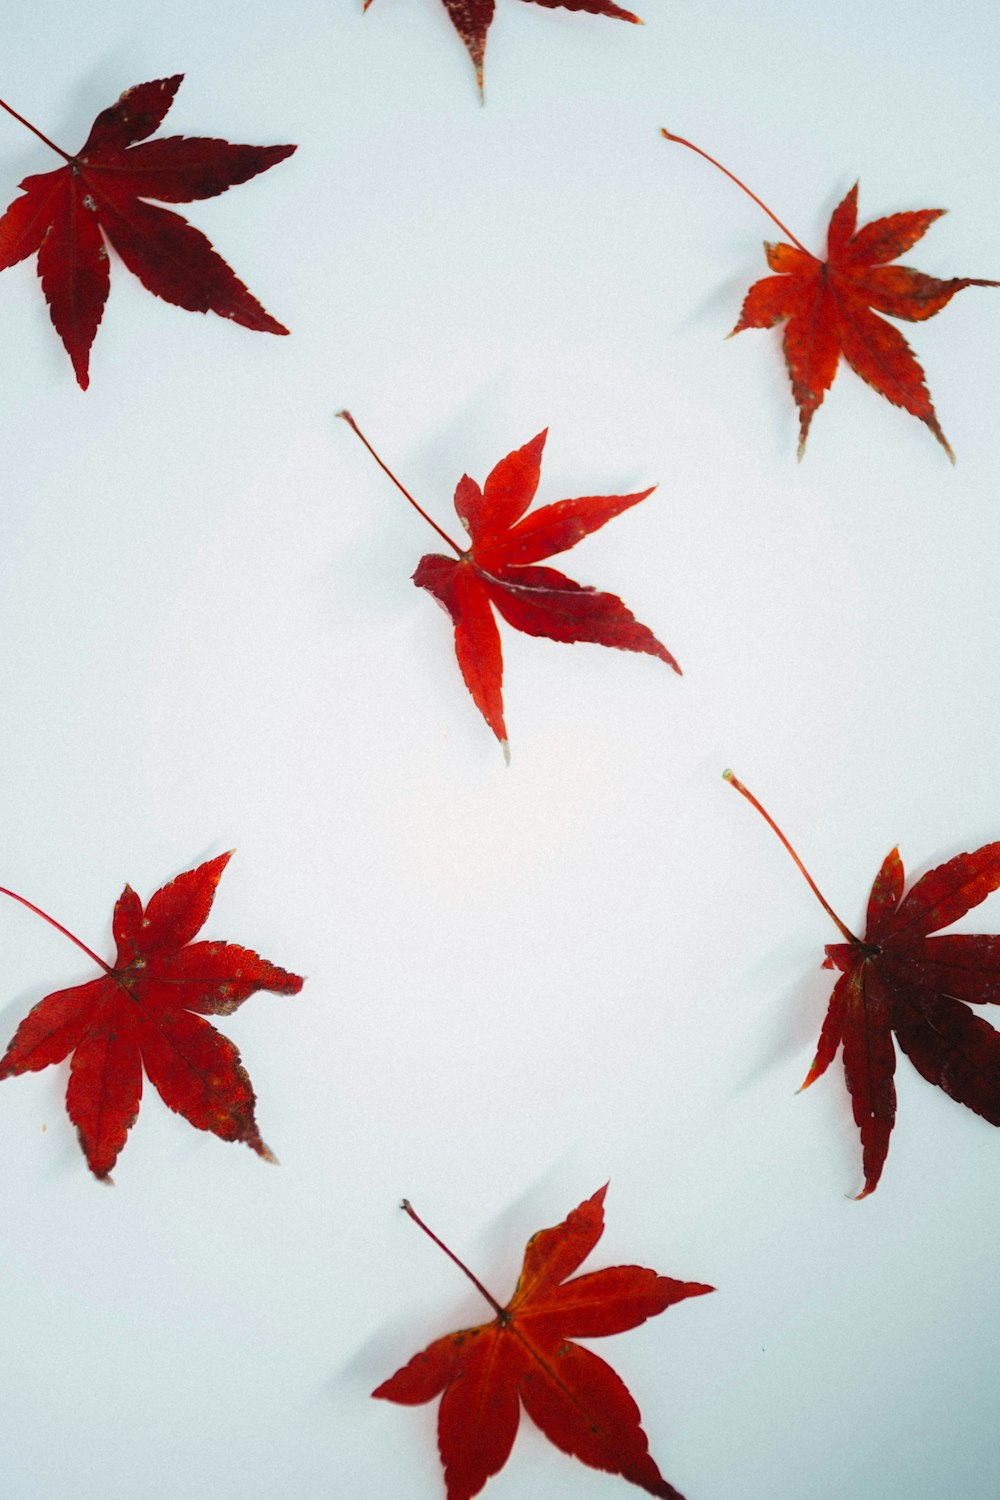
(419, 508)
(848, 934)
(408, 1206)
(680, 141)
(35, 131)
(57, 925)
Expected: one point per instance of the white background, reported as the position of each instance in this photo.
(597, 963)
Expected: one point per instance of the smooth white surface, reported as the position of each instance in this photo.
(598, 963)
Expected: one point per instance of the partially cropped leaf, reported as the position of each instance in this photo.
(472, 20)
(899, 981)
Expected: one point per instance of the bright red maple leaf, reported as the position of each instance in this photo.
(499, 569)
(104, 188)
(898, 979)
(484, 1375)
(472, 18)
(145, 1014)
(827, 305)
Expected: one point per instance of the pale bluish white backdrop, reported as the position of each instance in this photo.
(596, 963)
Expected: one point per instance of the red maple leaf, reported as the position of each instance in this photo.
(500, 568)
(898, 979)
(145, 1014)
(472, 18)
(104, 188)
(827, 305)
(524, 1356)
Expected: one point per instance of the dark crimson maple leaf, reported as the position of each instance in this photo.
(500, 569)
(524, 1357)
(104, 188)
(472, 18)
(145, 1014)
(826, 306)
(899, 980)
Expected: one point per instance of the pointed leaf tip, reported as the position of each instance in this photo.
(472, 20)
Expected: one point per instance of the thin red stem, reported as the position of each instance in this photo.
(57, 925)
(848, 934)
(419, 508)
(679, 139)
(408, 1206)
(35, 131)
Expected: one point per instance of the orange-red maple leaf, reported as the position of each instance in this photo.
(103, 188)
(145, 1014)
(472, 19)
(899, 980)
(500, 570)
(525, 1357)
(827, 306)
